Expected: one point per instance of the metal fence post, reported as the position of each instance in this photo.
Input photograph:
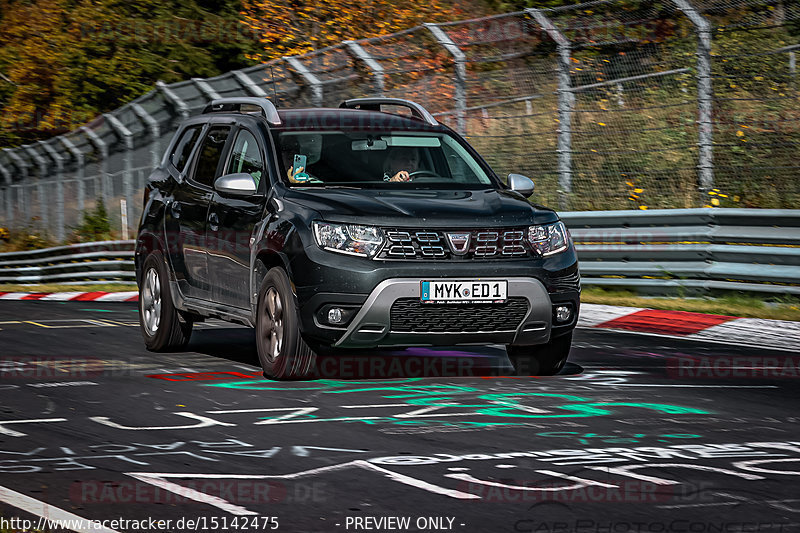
(566, 103)
(8, 218)
(155, 132)
(705, 96)
(44, 219)
(205, 88)
(127, 188)
(102, 148)
(179, 105)
(79, 174)
(357, 51)
(59, 163)
(21, 164)
(793, 68)
(460, 79)
(249, 85)
(311, 79)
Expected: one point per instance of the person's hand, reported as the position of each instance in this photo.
(401, 176)
(291, 173)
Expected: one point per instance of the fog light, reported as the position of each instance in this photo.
(563, 313)
(335, 316)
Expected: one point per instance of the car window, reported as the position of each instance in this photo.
(183, 148)
(463, 169)
(246, 157)
(372, 158)
(207, 163)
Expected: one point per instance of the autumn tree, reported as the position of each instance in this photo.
(64, 61)
(290, 27)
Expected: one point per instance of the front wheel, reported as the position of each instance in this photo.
(542, 360)
(281, 349)
(164, 329)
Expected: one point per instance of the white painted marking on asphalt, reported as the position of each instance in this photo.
(302, 451)
(748, 465)
(47, 511)
(394, 476)
(12, 433)
(374, 405)
(195, 495)
(203, 421)
(579, 482)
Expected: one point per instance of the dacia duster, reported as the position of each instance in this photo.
(336, 229)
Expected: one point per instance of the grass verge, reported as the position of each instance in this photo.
(749, 306)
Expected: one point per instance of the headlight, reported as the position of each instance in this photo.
(549, 239)
(364, 241)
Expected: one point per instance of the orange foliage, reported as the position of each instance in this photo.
(292, 27)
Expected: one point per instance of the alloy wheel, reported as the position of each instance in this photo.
(272, 323)
(151, 301)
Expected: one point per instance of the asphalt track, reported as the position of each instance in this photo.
(638, 434)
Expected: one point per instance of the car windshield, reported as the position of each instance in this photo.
(370, 159)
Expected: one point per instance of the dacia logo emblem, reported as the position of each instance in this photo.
(459, 242)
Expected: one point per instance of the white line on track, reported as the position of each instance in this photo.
(45, 510)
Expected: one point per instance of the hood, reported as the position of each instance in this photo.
(422, 208)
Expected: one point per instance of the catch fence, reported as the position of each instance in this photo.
(607, 105)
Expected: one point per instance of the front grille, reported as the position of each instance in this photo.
(417, 244)
(410, 315)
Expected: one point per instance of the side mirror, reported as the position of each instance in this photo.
(240, 184)
(522, 184)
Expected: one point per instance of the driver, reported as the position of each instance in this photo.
(401, 162)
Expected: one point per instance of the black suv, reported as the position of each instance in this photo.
(337, 229)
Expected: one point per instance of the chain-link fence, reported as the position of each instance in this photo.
(610, 104)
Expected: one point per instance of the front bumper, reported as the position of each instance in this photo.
(322, 278)
(372, 325)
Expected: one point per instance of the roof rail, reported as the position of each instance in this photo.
(236, 104)
(374, 104)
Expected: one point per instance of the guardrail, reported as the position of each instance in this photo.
(668, 251)
(105, 261)
(692, 250)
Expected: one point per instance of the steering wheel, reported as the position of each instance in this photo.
(420, 175)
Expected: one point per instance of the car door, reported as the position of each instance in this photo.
(190, 207)
(231, 222)
(179, 164)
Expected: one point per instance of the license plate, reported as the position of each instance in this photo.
(464, 291)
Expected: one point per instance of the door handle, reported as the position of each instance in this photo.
(213, 222)
(175, 208)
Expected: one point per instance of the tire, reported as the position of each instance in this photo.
(282, 351)
(542, 360)
(164, 328)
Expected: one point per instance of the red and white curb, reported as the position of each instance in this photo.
(776, 334)
(780, 334)
(131, 296)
